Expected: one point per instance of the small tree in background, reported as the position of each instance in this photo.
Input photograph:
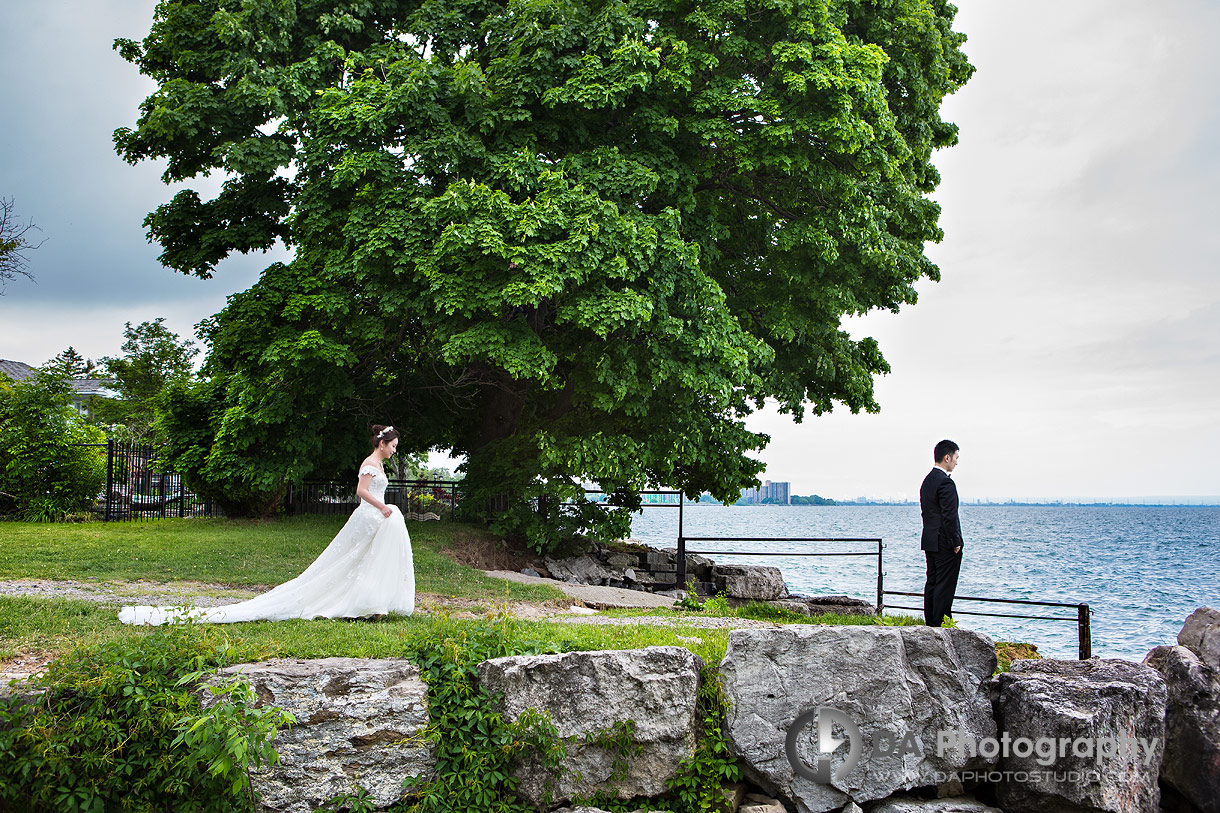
(71, 364)
(154, 357)
(46, 471)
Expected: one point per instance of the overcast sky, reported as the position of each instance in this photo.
(1072, 347)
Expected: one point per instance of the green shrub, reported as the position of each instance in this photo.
(45, 471)
(121, 727)
(696, 787)
(475, 745)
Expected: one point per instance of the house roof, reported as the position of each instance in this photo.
(93, 386)
(81, 387)
(16, 370)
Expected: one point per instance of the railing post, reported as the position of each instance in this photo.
(880, 582)
(681, 557)
(1085, 632)
(109, 477)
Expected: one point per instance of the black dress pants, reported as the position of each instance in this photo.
(941, 585)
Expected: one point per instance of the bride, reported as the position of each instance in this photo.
(365, 570)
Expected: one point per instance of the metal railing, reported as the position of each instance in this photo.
(683, 552)
(140, 485)
(1084, 631)
(411, 496)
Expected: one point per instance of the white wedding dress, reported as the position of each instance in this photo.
(367, 569)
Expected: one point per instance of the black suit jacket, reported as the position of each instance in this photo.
(938, 505)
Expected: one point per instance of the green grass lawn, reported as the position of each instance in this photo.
(251, 553)
(232, 552)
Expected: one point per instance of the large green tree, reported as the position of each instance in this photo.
(569, 239)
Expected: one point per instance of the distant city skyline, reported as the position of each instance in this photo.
(1070, 346)
(777, 491)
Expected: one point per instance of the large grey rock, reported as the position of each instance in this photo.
(579, 570)
(359, 721)
(1105, 720)
(897, 684)
(1201, 632)
(618, 560)
(1192, 725)
(586, 693)
(753, 582)
(907, 804)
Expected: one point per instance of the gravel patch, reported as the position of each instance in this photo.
(201, 594)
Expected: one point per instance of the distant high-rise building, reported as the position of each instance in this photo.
(772, 492)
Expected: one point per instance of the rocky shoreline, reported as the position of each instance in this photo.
(917, 723)
(635, 566)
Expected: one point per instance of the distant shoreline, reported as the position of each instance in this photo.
(1214, 502)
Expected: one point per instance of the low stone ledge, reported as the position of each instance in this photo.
(1201, 633)
(587, 693)
(824, 605)
(750, 582)
(359, 721)
(907, 804)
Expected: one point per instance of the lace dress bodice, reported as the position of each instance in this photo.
(378, 485)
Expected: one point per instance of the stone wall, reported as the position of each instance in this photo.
(859, 719)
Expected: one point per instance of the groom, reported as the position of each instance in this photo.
(942, 534)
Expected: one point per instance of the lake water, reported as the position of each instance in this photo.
(1140, 569)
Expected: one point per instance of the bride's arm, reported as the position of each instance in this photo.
(362, 491)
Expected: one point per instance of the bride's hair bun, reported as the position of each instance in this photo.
(383, 434)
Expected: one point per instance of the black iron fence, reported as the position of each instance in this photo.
(1084, 631)
(141, 485)
(1082, 617)
(419, 497)
(682, 552)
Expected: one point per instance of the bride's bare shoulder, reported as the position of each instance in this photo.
(371, 461)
